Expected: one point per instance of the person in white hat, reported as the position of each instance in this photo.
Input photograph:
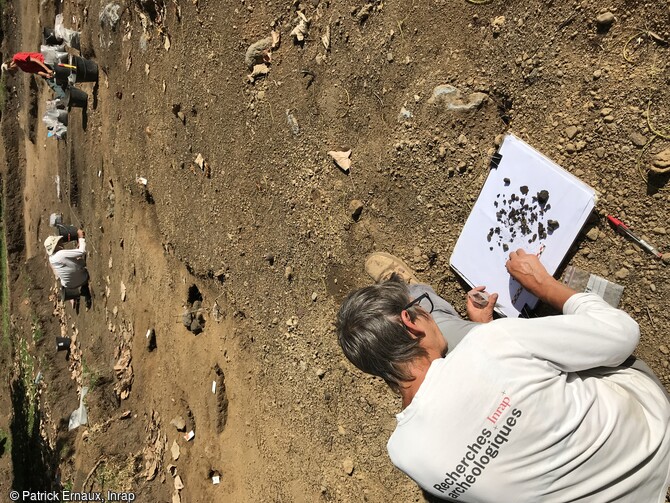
(69, 265)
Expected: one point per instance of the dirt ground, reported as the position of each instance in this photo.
(262, 231)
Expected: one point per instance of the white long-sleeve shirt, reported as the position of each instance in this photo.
(538, 411)
(70, 265)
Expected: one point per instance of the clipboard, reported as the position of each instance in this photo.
(528, 202)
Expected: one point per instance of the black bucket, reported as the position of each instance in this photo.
(50, 37)
(61, 73)
(87, 70)
(68, 232)
(62, 117)
(62, 344)
(69, 293)
(75, 98)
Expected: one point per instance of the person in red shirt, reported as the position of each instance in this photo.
(29, 62)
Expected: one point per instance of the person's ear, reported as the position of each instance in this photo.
(413, 328)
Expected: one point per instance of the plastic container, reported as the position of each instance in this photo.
(87, 70)
(62, 117)
(75, 98)
(61, 74)
(68, 232)
(62, 344)
(69, 293)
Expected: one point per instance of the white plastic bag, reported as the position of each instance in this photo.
(109, 19)
(54, 105)
(79, 416)
(109, 15)
(70, 37)
(50, 120)
(53, 54)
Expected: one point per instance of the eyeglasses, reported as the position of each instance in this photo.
(418, 301)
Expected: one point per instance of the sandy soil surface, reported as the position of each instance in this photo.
(245, 214)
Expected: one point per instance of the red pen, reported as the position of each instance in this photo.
(622, 228)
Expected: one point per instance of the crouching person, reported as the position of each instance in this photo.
(69, 267)
(550, 409)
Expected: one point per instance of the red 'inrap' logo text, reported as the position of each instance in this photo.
(499, 411)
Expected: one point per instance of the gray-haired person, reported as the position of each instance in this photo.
(549, 409)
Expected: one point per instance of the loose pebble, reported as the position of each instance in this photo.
(604, 21)
(622, 273)
(638, 139)
(348, 465)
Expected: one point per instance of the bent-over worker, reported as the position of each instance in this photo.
(69, 265)
(29, 62)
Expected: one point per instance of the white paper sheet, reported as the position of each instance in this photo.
(505, 219)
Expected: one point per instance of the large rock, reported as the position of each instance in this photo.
(661, 161)
(604, 21)
(455, 100)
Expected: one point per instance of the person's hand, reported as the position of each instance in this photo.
(478, 313)
(80, 233)
(527, 269)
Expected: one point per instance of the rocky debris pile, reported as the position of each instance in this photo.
(193, 316)
(74, 354)
(123, 367)
(175, 451)
(193, 319)
(259, 56)
(67, 340)
(154, 451)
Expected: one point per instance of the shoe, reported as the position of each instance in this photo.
(381, 266)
